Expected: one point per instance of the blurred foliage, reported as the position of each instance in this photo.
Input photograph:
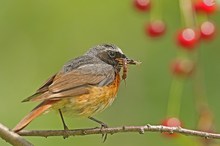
(38, 37)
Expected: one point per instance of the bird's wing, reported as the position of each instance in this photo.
(75, 82)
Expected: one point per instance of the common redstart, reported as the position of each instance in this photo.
(83, 87)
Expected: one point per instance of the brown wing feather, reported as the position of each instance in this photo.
(41, 90)
(74, 79)
(73, 83)
(45, 86)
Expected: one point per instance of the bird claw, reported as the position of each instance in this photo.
(104, 135)
(103, 126)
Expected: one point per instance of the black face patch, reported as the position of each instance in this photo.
(110, 57)
(115, 54)
(112, 54)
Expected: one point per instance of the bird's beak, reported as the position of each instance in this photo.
(133, 62)
(126, 60)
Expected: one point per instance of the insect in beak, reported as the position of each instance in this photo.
(127, 60)
(124, 62)
(133, 62)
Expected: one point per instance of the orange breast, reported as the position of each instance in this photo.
(98, 99)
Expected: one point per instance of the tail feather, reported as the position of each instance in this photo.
(41, 108)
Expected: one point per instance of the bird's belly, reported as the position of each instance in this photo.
(98, 99)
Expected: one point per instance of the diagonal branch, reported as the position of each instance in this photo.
(123, 129)
(12, 137)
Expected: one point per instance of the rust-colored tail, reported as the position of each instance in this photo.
(41, 108)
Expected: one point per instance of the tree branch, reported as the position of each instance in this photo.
(12, 138)
(123, 129)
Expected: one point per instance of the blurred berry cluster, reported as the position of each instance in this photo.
(197, 27)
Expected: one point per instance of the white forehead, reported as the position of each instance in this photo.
(106, 47)
(116, 49)
(120, 51)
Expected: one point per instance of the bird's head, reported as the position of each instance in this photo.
(110, 54)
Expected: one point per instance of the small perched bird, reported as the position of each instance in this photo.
(83, 87)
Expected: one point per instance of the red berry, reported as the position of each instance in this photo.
(171, 122)
(207, 30)
(187, 38)
(182, 67)
(142, 5)
(198, 6)
(155, 28)
(207, 6)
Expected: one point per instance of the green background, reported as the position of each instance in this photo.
(38, 37)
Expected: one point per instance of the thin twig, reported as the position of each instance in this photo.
(123, 129)
(12, 138)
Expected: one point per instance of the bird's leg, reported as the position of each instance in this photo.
(64, 124)
(100, 122)
(103, 125)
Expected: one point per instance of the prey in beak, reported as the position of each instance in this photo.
(127, 60)
(124, 61)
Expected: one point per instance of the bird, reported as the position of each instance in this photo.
(85, 86)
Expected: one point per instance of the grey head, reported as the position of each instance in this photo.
(108, 53)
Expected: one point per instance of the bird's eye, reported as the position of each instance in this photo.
(112, 54)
